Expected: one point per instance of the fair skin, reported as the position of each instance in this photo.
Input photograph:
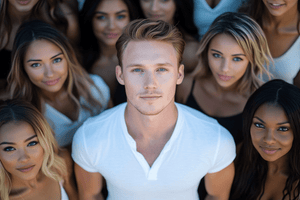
(47, 68)
(272, 137)
(110, 19)
(150, 73)
(22, 155)
(217, 95)
(279, 22)
(165, 10)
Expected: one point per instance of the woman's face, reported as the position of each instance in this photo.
(46, 66)
(159, 9)
(22, 5)
(227, 60)
(280, 7)
(20, 151)
(109, 20)
(271, 132)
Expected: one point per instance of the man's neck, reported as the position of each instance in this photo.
(151, 127)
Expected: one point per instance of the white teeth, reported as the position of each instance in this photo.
(275, 4)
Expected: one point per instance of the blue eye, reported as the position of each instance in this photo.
(8, 149)
(237, 59)
(57, 60)
(216, 55)
(259, 125)
(101, 17)
(35, 65)
(137, 70)
(33, 143)
(283, 129)
(121, 16)
(162, 70)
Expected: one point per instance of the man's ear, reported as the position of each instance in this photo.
(119, 74)
(180, 75)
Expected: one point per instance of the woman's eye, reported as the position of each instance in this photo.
(237, 59)
(121, 16)
(33, 143)
(9, 149)
(100, 17)
(164, 1)
(57, 60)
(259, 125)
(283, 129)
(216, 55)
(35, 65)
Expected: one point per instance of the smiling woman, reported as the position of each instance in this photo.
(46, 73)
(31, 165)
(102, 22)
(270, 151)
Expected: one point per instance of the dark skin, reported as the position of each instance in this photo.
(212, 3)
(281, 31)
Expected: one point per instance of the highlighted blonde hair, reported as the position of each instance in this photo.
(250, 38)
(53, 166)
(78, 84)
(149, 30)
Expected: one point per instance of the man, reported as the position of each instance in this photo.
(152, 148)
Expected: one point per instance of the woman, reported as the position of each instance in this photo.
(61, 14)
(270, 151)
(206, 11)
(231, 57)
(179, 13)
(30, 167)
(280, 22)
(46, 73)
(102, 22)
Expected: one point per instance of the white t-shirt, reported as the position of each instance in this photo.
(204, 15)
(63, 127)
(198, 145)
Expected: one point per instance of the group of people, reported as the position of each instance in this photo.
(88, 99)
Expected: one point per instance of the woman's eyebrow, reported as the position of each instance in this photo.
(31, 137)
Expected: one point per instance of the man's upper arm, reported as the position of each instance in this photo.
(218, 184)
(89, 184)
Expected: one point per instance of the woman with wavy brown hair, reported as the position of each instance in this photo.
(31, 164)
(61, 14)
(46, 73)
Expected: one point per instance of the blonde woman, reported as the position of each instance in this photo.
(46, 73)
(31, 165)
(231, 57)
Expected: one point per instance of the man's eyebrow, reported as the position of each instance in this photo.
(158, 64)
(30, 138)
(134, 65)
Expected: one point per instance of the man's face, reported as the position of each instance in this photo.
(150, 74)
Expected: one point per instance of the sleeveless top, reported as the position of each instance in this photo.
(287, 66)
(233, 124)
(63, 193)
(5, 57)
(204, 15)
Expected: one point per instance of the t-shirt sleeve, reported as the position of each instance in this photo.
(80, 153)
(104, 89)
(225, 153)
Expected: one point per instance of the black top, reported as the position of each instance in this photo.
(233, 124)
(5, 57)
(120, 95)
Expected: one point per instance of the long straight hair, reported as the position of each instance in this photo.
(251, 168)
(53, 166)
(78, 83)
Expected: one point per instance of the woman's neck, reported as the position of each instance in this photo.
(278, 166)
(107, 51)
(287, 20)
(17, 17)
(19, 185)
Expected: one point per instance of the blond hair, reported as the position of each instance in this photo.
(78, 83)
(250, 38)
(146, 29)
(53, 166)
